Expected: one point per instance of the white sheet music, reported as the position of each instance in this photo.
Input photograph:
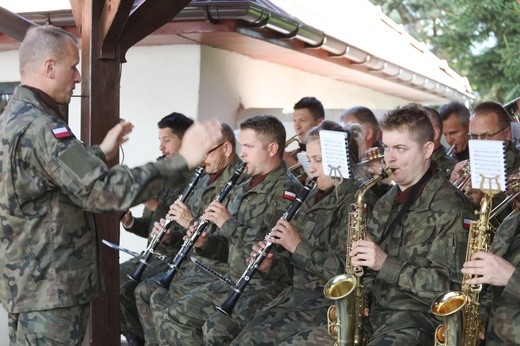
(487, 159)
(334, 154)
(304, 161)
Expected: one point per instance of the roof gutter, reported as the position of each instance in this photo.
(259, 15)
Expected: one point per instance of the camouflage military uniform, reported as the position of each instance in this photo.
(253, 213)
(323, 228)
(425, 252)
(504, 320)
(444, 162)
(50, 186)
(188, 276)
(142, 226)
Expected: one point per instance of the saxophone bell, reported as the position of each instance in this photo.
(340, 319)
(449, 307)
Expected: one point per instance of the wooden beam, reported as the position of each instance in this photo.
(149, 16)
(113, 18)
(14, 25)
(99, 113)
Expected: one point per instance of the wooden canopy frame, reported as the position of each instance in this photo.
(108, 29)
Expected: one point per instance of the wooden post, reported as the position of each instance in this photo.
(99, 113)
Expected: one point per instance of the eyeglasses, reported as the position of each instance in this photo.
(485, 136)
(218, 146)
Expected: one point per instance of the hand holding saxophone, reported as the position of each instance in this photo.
(366, 253)
(488, 268)
(217, 213)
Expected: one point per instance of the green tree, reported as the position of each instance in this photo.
(479, 39)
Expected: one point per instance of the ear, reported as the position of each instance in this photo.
(272, 149)
(369, 133)
(436, 133)
(508, 133)
(428, 149)
(50, 65)
(228, 149)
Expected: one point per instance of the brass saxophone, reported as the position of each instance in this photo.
(345, 317)
(460, 309)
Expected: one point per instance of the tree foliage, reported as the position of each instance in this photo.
(479, 39)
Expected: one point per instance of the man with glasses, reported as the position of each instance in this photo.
(490, 121)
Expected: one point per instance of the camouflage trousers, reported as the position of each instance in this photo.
(128, 310)
(60, 326)
(193, 319)
(403, 328)
(186, 279)
(289, 325)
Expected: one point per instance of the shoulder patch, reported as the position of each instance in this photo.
(289, 195)
(62, 132)
(467, 223)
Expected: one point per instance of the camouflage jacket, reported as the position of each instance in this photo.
(444, 162)
(425, 251)
(203, 197)
(50, 186)
(321, 254)
(504, 320)
(253, 213)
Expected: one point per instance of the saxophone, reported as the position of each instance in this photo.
(345, 317)
(460, 309)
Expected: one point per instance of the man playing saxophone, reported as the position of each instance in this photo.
(500, 268)
(316, 240)
(418, 239)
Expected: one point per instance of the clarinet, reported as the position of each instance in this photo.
(202, 224)
(252, 268)
(136, 274)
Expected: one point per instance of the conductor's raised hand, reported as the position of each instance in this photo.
(198, 140)
(116, 136)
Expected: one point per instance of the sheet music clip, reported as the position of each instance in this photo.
(335, 176)
(490, 191)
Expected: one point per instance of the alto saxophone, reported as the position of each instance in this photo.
(460, 309)
(345, 317)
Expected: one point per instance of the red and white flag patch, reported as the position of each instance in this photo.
(467, 223)
(62, 132)
(289, 195)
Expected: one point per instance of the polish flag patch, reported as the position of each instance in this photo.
(289, 195)
(62, 132)
(467, 223)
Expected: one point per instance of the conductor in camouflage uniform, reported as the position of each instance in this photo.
(418, 236)
(171, 131)
(51, 185)
(253, 210)
(500, 268)
(316, 239)
(219, 165)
